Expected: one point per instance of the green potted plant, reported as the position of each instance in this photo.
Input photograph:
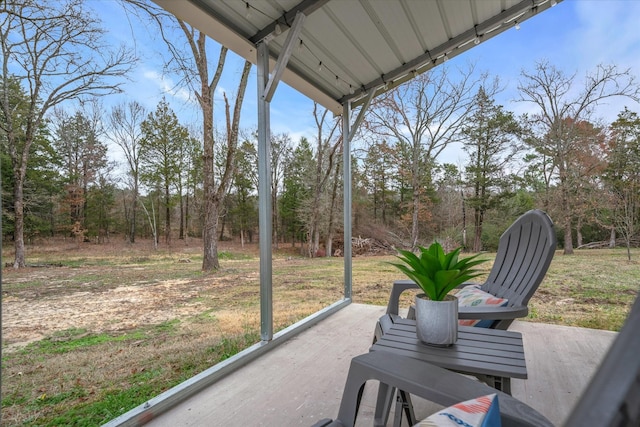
(437, 273)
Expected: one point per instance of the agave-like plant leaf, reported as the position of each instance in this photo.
(424, 282)
(467, 263)
(414, 263)
(409, 258)
(447, 279)
(451, 259)
(435, 271)
(438, 252)
(429, 263)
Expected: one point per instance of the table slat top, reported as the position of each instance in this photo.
(477, 351)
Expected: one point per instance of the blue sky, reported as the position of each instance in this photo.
(575, 36)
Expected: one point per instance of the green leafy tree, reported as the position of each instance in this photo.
(40, 41)
(490, 142)
(42, 181)
(622, 175)
(194, 200)
(163, 137)
(296, 191)
(379, 171)
(244, 209)
(187, 158)
(83, 155)
(101, 197)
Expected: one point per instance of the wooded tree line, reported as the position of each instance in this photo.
(180, 179)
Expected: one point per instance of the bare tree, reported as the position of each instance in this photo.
(326, 148)
(425, 115)
(333, 207)
(562, 110)
(124, 130)
(280, 150)
(54, 50)
(192, 63)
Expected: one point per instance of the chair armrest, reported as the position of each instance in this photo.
(494, 313)
(399, 286)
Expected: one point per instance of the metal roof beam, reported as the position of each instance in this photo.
(363, 110)
(285, 54)
(306, 7)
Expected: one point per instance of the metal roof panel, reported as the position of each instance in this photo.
(367, 44)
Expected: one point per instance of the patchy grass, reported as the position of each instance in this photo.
(592, 289)
(91, 332)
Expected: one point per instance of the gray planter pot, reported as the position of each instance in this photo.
(437, 321)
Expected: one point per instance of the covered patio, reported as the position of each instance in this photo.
(302, 380)
(342, 54)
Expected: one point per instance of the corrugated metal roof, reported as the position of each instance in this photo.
(348, 47)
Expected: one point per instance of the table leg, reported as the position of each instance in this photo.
(403, 404)
(499, 383)
(383, 404)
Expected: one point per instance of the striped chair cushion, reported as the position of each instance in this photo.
(473, 296)
(483, 411)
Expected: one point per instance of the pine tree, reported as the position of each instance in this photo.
(163, 137)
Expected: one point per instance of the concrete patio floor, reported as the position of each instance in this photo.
(301, 381)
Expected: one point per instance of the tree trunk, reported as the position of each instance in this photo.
(274, 214)
(210, 233)
(566, 208)
(186, 215)
(215, 196)
(568, 237)
(167, 219)
(314, 233)
(612, 238)
(332, 212)
(579, 232)
(222, 226)
(134, 207)
(18, 197)
(415, 201)
(181, 235)
(414, 214)
(477, 240)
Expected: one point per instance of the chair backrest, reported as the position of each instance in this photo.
(524, 254)
(612, 397)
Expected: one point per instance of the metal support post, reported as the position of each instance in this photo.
(264, 195)
(346, 167)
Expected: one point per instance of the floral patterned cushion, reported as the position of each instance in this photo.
(473, 296)
(483, 411)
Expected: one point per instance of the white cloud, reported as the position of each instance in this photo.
(606, 32)
(219, 93)
(167, 85)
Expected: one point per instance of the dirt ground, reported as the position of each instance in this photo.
(124, 307)
(33, 313)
